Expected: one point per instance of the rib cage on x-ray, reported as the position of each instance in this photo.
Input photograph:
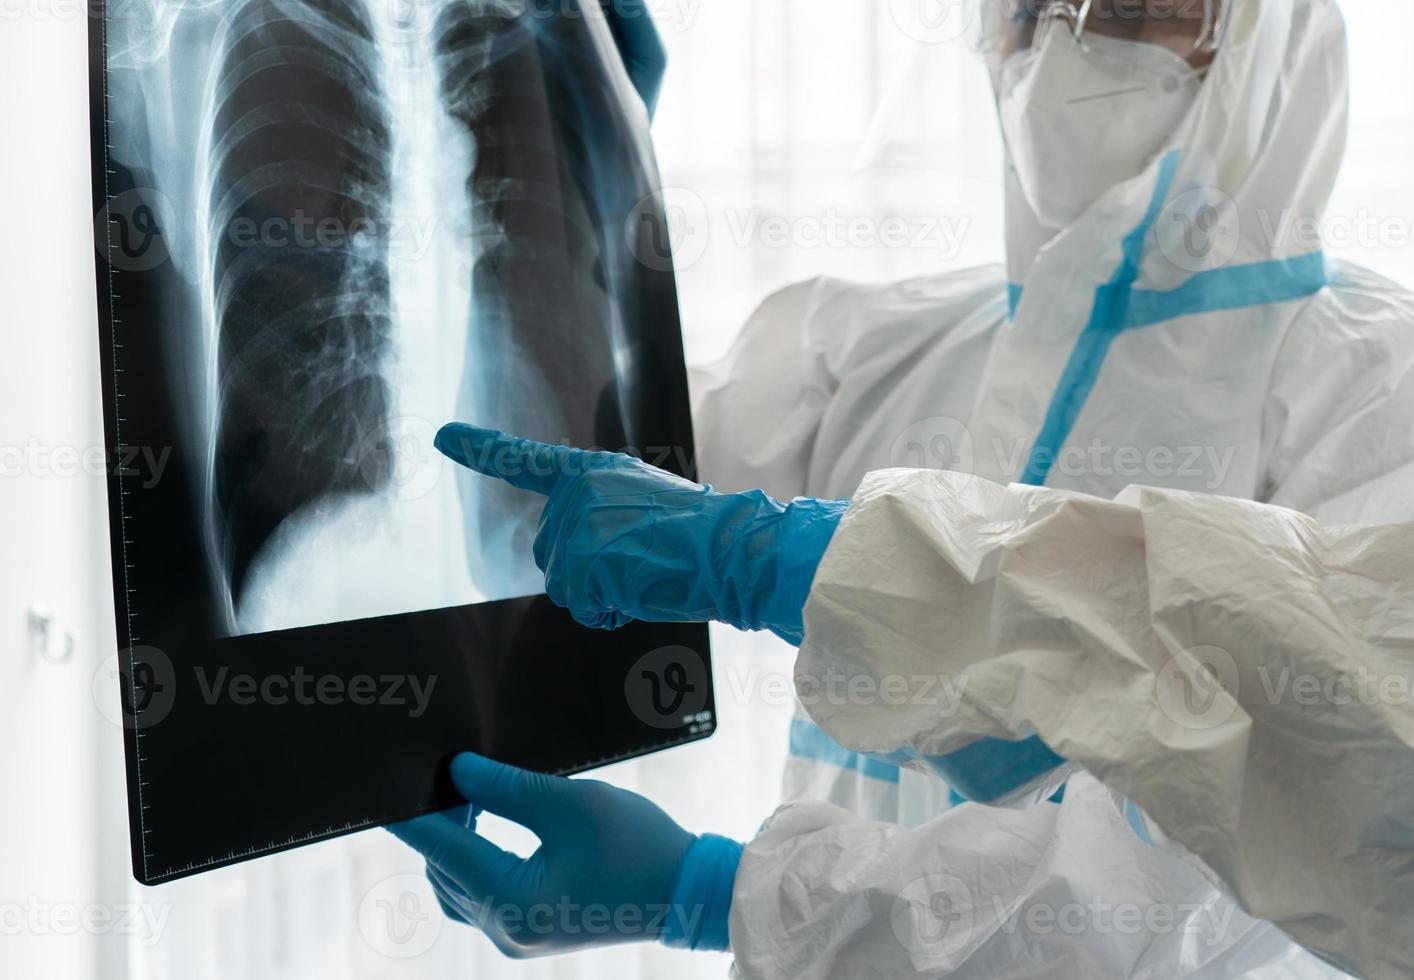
(326, 121)
(299, 131)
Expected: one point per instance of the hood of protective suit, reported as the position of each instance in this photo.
(1255, 160)
(1220, 229)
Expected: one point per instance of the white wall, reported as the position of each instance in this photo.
(57, 869)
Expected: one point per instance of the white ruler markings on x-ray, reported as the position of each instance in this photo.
(128, 590)
(367, 823)
(231, 857)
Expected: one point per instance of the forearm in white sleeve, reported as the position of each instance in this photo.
(1243, 674)
(1064, 892)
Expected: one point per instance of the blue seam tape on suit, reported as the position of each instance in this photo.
(1119, 307)
(1135, 819)
(1231, 288)
(1106, 322)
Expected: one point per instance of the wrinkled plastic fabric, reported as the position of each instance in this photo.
(1218, 383)
(1241, 673)
(1067, 892)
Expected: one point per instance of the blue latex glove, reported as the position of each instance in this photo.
(611, 868)
(641, 48)
(621, 540)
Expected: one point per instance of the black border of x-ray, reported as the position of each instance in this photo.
(585, 688)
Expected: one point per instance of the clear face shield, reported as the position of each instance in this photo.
(1091, 91)
(1191, 29)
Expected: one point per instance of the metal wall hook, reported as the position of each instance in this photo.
(45, 639)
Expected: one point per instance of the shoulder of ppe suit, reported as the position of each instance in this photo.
(867, 321)
(1359, 292)
(1341, 400)
(772, 344)
(757, 410)
(1360, 329)
(836, 318)
(1358, 312)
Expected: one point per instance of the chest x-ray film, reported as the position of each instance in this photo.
(325, 227)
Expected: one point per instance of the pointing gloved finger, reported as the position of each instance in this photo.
(523, 463)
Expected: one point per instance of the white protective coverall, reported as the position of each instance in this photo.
(1246, 369)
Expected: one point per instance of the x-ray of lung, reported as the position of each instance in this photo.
(327, 227)
(385, 214)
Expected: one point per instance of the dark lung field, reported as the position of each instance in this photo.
(382, 217)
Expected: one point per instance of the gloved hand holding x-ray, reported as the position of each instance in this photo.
(601, 848)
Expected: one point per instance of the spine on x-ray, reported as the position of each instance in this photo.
(539, 307)
(538, 288)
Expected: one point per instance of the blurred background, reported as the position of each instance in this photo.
(797, 138)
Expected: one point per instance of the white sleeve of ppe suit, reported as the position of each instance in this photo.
(1065, 892)
(1242, 673)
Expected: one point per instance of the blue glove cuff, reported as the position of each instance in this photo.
(796, 541)
(702, 896)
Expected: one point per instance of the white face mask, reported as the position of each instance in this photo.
(1077, 122)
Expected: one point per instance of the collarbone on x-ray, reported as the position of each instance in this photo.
(398, 220)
